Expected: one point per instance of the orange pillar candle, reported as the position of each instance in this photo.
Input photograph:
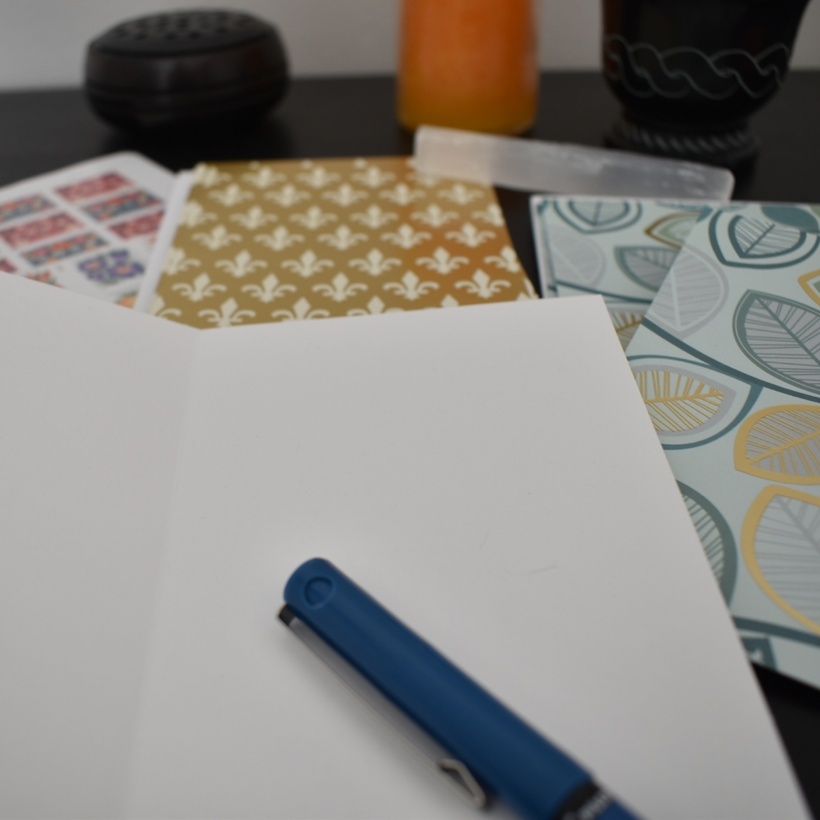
(469, 64)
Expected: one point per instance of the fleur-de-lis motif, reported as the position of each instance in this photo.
(442, 261)
(406, 236)
(470, 236)
(434, 215)
(403, 194)
(345, 195)
(492, 215)
(209, 175)
(342, 238)
(177, 261)
(231, 196)
(201, 288)
(373, 177)
(301, 310)
(460, 194)
(262, 176)
(269, 289)
(307, 265)
(426, 180)
(227, 315)
(158, 308)
(411, 287)
(314, 218)
(287, 196)
(193, 215)
(340, 288)
(482, 286)
(374, 306)
(218, 237)
(449, 301)
(375, 263)
(279, 238)
(241, 265)
(255, 217)
(318, 177)
(506, 260)
(374, 217)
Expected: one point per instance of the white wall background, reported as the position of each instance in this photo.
(42, 42)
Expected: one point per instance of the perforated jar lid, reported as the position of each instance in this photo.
(185, 67)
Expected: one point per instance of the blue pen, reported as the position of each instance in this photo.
(507, 757)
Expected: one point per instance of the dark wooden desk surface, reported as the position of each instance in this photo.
(45, 130)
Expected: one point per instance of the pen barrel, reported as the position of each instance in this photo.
(508, 757)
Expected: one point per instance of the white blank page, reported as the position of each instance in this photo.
(488, 473)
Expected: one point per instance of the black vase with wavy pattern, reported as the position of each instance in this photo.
(689, 73)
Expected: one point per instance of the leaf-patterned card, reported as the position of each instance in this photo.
(269, 241)
(728, 361)
(619, 248)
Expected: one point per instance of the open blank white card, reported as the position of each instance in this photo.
(488, 473)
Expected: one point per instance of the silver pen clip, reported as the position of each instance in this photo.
(454, 772)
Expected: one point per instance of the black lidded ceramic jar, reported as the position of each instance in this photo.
(189, 69)
(689, 73)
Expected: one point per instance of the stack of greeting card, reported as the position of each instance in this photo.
(728, 361)
(621, 249)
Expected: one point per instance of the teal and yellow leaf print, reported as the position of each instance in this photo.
(781, 443)
(752, 240)
(781, 336)
(781, 547)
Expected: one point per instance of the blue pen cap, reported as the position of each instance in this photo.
(511, 760)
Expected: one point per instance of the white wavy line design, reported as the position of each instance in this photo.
(770, 66)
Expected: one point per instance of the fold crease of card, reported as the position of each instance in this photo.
(506, 497)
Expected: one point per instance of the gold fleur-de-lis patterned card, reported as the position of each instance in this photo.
(268, 241)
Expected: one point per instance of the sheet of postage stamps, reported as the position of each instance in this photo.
(89, 227)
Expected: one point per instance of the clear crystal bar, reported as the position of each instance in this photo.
(548, 167)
